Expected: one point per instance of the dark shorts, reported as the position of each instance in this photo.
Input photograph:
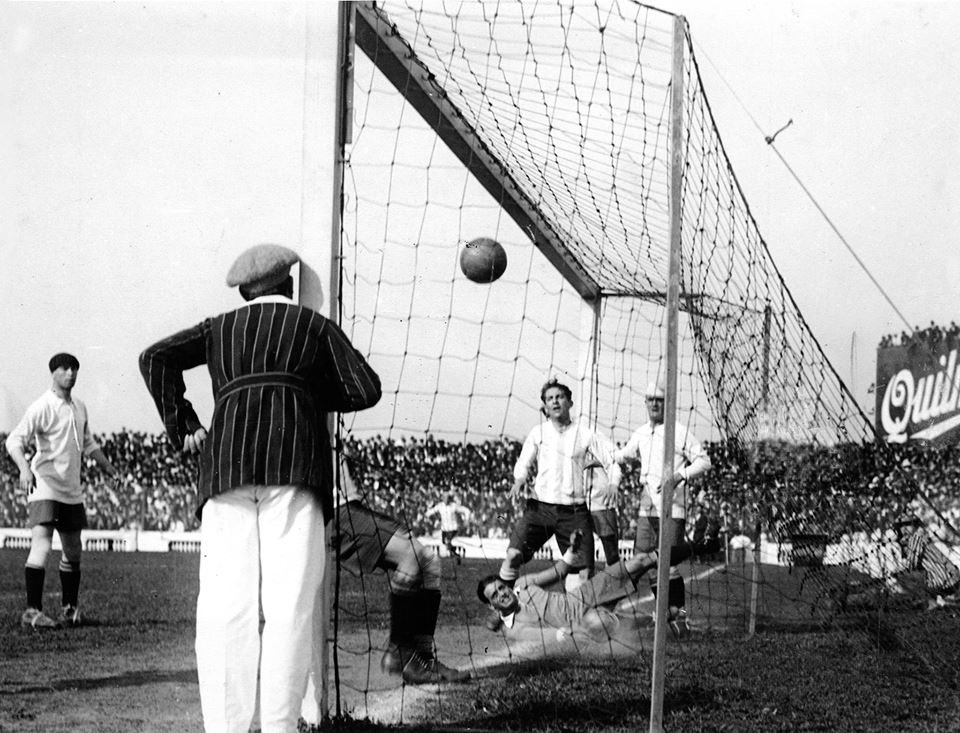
(62, 517)
(447, 537)
(648, 533)
(541, 521)
(361, 536)
(605, 522)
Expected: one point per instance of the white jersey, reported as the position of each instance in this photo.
(59, 430)
(690, 460)
(561, 457)
(450, 515)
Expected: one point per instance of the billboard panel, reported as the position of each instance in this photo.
(918, 387)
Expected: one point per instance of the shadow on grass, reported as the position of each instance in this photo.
(127, 679)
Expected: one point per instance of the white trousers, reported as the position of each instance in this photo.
(261, 547)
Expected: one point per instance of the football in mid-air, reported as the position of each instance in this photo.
(483, 260)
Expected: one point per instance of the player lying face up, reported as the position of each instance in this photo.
(528, 605)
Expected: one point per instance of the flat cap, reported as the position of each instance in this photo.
(262, 265)
(655, 390)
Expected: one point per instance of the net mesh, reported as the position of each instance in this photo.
(546, 127)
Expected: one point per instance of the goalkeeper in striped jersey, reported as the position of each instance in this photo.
(450, 513)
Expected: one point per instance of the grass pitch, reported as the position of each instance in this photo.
(131, 666)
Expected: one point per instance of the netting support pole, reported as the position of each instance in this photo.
(670, 408)
(758, 542)
(328, 68)
(755, 580)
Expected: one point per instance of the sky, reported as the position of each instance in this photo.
(130, 182)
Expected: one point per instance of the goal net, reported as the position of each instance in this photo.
(546, 126)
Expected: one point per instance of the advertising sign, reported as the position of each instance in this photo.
(918, 390)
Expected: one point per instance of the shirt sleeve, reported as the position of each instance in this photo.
(23, 433)
(602, 450)
(162, 366)
(631, 449)
(353, 385)
(89, 443)
(528, 454)
(698, 461)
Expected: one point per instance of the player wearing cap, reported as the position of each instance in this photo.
(56, 426)
(689, 460)
(450, 513)
(561, 448)
(265, 484)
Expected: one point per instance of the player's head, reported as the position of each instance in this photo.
(63, 369)
(556, 399)
(654, 397)
(494, 592)
(263, 269)
(448, 498)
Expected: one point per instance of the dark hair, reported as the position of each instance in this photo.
(482, 586)
(63, 359)
(284, 287)
(555, 384)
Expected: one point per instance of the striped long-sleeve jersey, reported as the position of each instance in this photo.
(922, 553)
(276, 369)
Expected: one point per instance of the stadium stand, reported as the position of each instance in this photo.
(782, 486)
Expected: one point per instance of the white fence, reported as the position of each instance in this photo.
(132, 540)
(877, 559)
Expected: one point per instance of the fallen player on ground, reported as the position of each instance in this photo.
(586, 611)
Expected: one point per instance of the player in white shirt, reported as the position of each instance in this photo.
(451, 514)
(646, 445)
(561, 448)
(56, 426)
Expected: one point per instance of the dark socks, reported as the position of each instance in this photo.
(34, 580)
(70, 582)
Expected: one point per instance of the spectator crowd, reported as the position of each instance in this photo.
(933, 336)
(785, 488)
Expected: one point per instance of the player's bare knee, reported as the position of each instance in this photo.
(403, 582)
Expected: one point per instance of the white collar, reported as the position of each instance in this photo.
(58, 398)
(510, 620)
(273, 298)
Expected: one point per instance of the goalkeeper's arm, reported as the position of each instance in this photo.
(560, 569)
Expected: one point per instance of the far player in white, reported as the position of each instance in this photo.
(646, 445)
(55, 426)
(451, 514)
